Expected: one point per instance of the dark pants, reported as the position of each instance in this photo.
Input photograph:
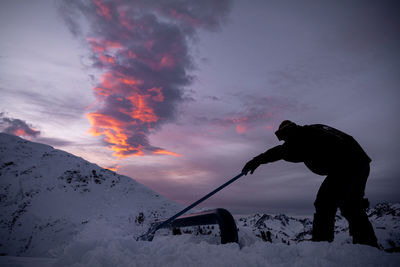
(344, 190)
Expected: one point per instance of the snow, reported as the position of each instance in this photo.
(178, 251)
(9, 261)
(60, 210)
(181, 251)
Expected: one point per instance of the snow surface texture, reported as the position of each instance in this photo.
(60, 210)
(183, 251)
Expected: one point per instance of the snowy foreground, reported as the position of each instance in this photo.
(59, 210)
(182, 251)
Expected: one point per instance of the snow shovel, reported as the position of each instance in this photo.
(150, 233)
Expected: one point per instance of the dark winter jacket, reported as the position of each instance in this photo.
(323, 149)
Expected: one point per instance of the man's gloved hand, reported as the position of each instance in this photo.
(252, 165)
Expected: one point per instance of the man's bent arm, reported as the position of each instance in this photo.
(271, 155)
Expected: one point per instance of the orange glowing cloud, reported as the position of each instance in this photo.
(107, 59)
(113, 167)
(167, 61)
(159, 97)
(102, 9)
(22, 132)
(141, 110)
(112, 44)
(114, 133)
(113, 82)
(240, 128)
(253, 118)
(162, 151)
(99, 45)
(96, 46)
(131, 55)
(186, 18)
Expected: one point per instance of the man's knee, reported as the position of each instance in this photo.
(354, 208)
(326, 206)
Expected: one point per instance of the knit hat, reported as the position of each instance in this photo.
(284, 129)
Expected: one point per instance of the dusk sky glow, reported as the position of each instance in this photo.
(179, 95)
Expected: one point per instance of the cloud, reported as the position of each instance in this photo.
(17, 127)
(54, 105)
(141, 49)
(259, 111)
(57, 142)
(22, 128)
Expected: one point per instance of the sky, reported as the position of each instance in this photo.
(179, 95)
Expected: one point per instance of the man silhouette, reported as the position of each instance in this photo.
(327, 151)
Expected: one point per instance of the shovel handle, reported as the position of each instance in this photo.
(194, 204)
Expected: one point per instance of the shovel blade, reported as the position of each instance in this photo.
(150, 233)
(146, 237)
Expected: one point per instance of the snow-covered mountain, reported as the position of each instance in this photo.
(60, 210)
(385, 218)
(49, 197)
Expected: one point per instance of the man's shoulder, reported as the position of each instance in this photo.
(312, 128)
(322, 127)
(327, 130)
(318, 126)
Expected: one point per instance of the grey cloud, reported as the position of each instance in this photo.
(212, 98)
(56, 142)
(22, 128)
(17, 127)
(63, 107)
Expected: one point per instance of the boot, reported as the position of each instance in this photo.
(362, 231)
(323, 227)
(360, 227)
